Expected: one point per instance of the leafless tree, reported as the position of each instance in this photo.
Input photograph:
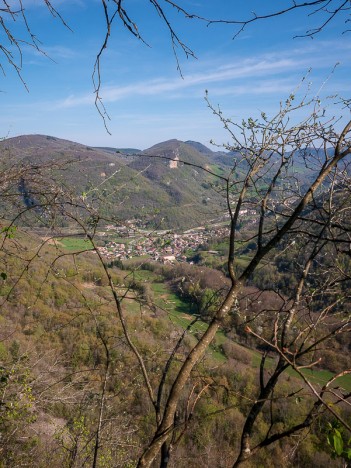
(311, 216)
(263, 179)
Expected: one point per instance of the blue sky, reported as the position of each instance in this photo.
(147, 99)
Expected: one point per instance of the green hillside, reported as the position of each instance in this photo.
(58, 319)
(144, 187)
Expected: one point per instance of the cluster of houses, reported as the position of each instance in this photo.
(162, 246)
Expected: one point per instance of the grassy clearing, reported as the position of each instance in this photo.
(131, 262)
(142, 275)
(317, 377)
(75, 243)
(171, 303)
(182, 314)
(321, 377)
(121, 240)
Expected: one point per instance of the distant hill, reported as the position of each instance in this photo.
(118, 150)
(162, 186)
(175, 167)
(199, 147)
(146, 187)
(221, 158)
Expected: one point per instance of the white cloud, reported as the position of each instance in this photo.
(239, 70)
(232, 75)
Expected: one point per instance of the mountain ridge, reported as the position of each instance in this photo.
(146, 186)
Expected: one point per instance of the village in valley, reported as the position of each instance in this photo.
(162, 246)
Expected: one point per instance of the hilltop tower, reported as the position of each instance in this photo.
(173, 163)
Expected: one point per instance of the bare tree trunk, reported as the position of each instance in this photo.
(165, 428)
(165, 455)
(245, 445)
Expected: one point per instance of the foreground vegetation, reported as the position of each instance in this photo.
(240, 357)
(65, 360)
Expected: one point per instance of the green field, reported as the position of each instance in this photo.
(75, 243)
(319, 377)
(322, 376)
(121, 240)
(131, 262)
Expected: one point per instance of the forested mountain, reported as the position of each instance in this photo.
(148, 186)
(173, 184)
